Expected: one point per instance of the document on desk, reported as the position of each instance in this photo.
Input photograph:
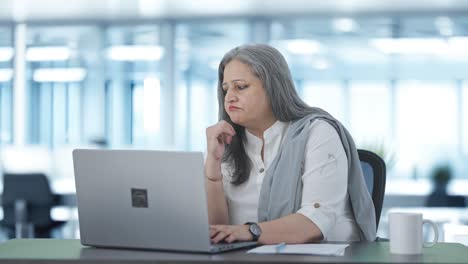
(308, 249)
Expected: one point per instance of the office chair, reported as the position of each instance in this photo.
(374, 171)
(27, 198)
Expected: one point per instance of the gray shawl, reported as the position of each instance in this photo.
(281, 190)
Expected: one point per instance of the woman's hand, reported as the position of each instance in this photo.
(216, 137)
(229, 233)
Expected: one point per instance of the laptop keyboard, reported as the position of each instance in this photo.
(224, 246)
(230, 246)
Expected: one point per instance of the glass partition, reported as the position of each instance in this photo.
(465, 119)
(199, 47)
(6, 84)
(61, 72)
(426, 127)
(135, 87)
(391, 80)
(370, 114)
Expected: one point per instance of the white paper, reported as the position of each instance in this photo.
(309, 249)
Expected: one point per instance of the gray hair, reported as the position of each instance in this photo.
(271, 68)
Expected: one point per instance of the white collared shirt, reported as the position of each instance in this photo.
(325, 199)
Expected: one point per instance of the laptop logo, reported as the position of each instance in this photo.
(139, 198)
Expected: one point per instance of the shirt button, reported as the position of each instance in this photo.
(316, 205)
(261, 170)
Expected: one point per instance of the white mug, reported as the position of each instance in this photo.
(406, 233)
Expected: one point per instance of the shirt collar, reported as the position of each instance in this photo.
(255, 144)
(276, 129)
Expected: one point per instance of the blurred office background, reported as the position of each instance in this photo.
(142, 74)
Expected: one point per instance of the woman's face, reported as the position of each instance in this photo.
(245, 99)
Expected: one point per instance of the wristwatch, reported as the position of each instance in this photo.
(255, 230)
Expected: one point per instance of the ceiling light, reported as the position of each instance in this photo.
(6, 53)
(6, 75)
(48, 53)
(135, 53)
(303, 46)
(345, 25)
(59, 75)
(410, 45)
(444, 25)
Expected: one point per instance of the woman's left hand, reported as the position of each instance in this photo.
(229, 233)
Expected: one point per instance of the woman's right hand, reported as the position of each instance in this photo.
(217, 136)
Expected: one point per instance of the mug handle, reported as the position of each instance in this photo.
(436, 233)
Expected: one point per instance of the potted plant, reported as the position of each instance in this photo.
(441, 176)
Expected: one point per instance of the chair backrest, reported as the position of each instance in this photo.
(373, 168)
(34, 189)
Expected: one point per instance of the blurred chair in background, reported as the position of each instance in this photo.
(374, 171)
(27, 201)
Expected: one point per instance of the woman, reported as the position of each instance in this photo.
(278, 170)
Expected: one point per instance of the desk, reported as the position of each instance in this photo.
(71, 251)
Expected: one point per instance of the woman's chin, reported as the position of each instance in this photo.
(236, 121)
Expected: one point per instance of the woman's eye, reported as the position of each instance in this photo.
(242, 87)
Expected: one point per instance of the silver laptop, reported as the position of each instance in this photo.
(144, 200)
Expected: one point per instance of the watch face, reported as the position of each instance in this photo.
(255, 229)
